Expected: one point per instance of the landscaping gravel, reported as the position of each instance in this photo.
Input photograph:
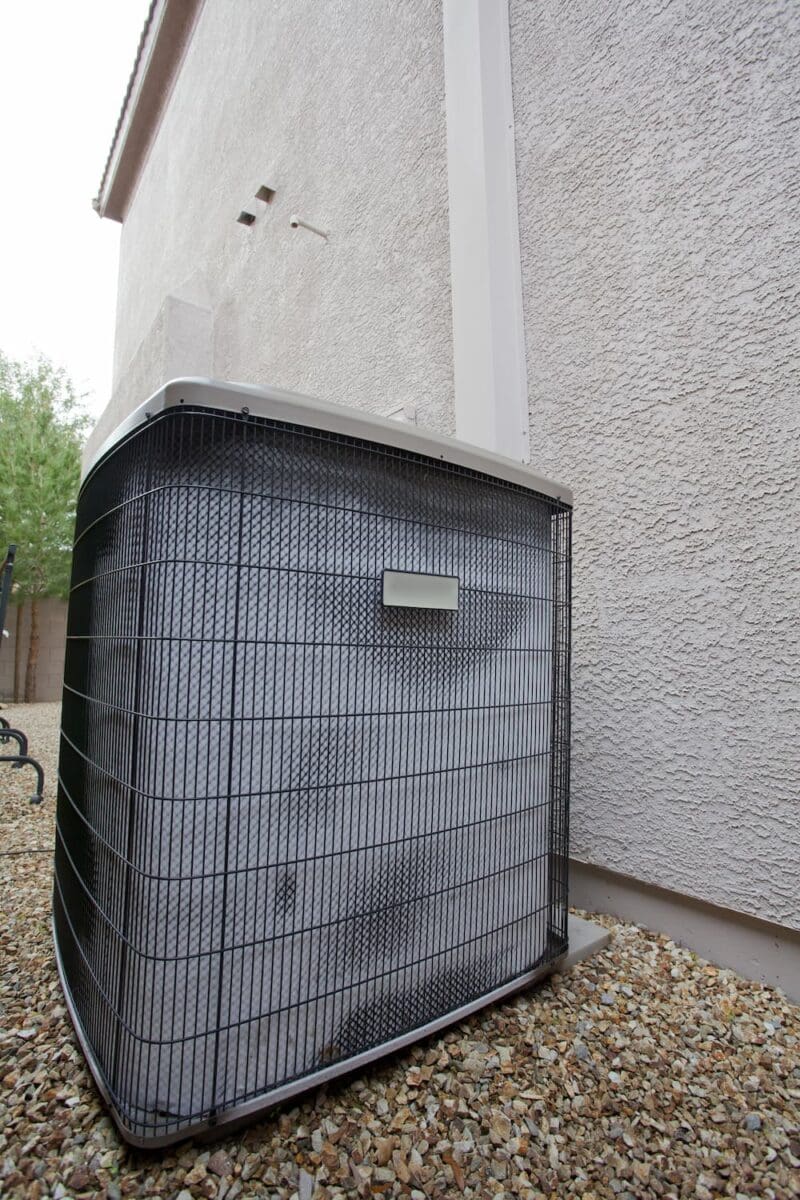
(642, 1072)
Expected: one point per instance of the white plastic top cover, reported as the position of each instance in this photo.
(335, 418)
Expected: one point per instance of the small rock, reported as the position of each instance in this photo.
(197, 1173)
(383, 1150)
(305, 1185)
(607, 998)
(582, 1052)
(752, 1122)
(642, 1171)
(500, 1127)
(79, 1179)
(250, 1166)
(220, 1164)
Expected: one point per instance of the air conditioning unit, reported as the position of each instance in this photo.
(314, 762)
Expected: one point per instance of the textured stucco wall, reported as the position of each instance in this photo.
(340, 108)
(658, 150)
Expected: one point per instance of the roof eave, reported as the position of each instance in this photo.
(161, 48)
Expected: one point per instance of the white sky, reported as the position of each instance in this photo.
(64, 67)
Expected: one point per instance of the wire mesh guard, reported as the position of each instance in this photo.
(294, 824)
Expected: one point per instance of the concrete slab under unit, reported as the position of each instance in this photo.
(585, 939)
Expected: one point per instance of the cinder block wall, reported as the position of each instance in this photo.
(52, 639)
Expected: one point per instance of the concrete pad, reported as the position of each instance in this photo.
(585, 939)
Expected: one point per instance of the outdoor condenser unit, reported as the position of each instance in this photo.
(314, 772)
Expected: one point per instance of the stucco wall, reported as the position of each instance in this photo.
(658, 164)
(340, 108)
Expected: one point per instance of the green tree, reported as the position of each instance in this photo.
(42, 427)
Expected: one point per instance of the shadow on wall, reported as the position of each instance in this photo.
(14, 653)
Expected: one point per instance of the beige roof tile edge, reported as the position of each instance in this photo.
(161, 48)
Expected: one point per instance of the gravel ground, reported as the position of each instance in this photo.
(642, 1072)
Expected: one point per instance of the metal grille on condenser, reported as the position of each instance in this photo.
(294, 824)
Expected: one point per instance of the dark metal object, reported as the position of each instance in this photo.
(6, 732)
(20, 760)
(297, 828)
(6, 575)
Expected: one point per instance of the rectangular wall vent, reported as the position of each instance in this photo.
(297, 827)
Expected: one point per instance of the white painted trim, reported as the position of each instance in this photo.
(491, 386)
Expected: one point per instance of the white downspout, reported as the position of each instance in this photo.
(491, 387)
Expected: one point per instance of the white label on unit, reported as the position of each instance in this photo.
(406, 589)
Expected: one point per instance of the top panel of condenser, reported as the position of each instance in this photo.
(279, 405)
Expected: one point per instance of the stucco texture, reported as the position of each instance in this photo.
(658, 149)
(340, 108)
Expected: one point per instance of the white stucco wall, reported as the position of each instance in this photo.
(340, 108)
(658, 158)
